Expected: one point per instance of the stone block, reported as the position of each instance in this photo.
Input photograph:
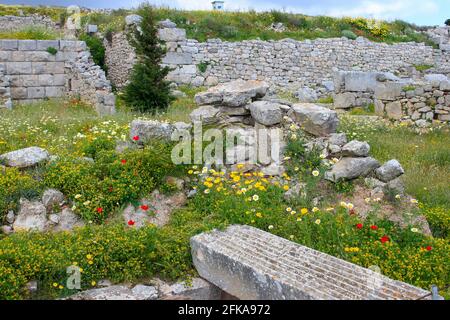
(177, 58)
(29, 80)
(172, 34)
(18, 68)
(314, 119)
(9, 44)
(55, 67)
(252, 264)
(344, 100)
(53, 92)
(27, 45)
(35, 92)
(71, 45)
(394, 110)
(5, 56)
(388, 90)
(39, 67)
(18, 93)
(45, 44)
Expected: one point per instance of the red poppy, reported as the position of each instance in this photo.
(374, 227)
(131, 222)
(144, 207)
(123, 161)
(384, 239)
(429, 248)
(100, 210)
(359, 226)
(136, 138)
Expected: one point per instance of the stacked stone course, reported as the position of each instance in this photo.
(283, 63)
(14, 23)
(35, 74)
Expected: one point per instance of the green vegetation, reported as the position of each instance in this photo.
(423, 67)
(202, 66)
(328, 99)
(368, 110)
(408, 88)
(30, 33)
(16, 10)
(426, 162)
(96, 48)
(52, 51)
(447, 22)
(148, 91)
(238, 26)
(71, 130)
(349, 34)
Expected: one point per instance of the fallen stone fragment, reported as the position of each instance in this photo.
(389, 171)
(25, 158)
(314, 119)
(351, 168)
(252, 264)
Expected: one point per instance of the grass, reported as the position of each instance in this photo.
(238, 26)
(121, 253)
(423, 156)
(31, 33)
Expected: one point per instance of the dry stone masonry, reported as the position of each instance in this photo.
(14, 23)
(252, 264)
(286, 62)
(33, 73)
(413, 99)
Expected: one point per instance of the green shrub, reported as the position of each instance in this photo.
(147, 89)
(112, 180)
(447, 22)
(96, 48)
(202, 66)
(15, 184)
(349, 34)
(52, 51)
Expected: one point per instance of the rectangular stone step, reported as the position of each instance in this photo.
(252, 264)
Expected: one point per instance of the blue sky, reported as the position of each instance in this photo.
(422, 12)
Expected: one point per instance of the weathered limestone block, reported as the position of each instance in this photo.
(356, 148)
(25, 158)
(179, 58)
(314, 119)
(172, 34)
(233, 94)
(388, 90)
(252, 264)
(389, 171)
(205, 114)
(147, 131)
(394, 110)
(344, 100)
(31, 216)
(351, 168)
(266, 113)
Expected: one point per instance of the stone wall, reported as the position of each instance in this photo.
(412, 99)
(5, 92)
(35, 74)
(12, 23)
(283, 63)
(440, 36)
